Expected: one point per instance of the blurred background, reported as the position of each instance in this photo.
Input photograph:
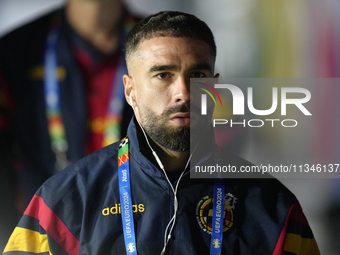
(264, 39)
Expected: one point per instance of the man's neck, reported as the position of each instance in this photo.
(97, 22)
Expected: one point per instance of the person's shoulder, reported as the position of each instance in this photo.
(258, 183)
(236, 160)
(34, 26)
(93, 164)
(27, 37)
(86, 176)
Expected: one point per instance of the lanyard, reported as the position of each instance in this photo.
(218, 210)
(125, 197)
(218, 218)
(56, 127)
(127, 211)
(55, 121)
(116, 104)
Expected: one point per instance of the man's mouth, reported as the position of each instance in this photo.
(181, 119)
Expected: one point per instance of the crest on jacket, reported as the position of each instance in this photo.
(204, 212)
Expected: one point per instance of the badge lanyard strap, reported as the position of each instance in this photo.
(125, 197)
(117, 99)
(218, 210)
(116, 104)
(52, 101)
(55, 121)
(218, 218)
(127, 211)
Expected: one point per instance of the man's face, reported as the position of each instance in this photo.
(160, 72)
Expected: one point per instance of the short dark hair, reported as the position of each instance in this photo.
(169, 23)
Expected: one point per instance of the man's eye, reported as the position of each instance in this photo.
(197, 75)
(163, 76)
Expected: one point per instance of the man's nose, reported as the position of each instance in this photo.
(182, 90)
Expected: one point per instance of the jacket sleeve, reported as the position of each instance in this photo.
(41, 231)
(296, 237)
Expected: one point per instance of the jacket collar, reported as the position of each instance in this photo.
(141, 153)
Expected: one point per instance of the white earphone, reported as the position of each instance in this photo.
(147, 140)
(167, 237)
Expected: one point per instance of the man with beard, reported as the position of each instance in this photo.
(137, 196)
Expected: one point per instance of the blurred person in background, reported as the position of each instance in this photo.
(61, 95)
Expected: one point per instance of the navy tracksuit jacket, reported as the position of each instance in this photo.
(77, 211)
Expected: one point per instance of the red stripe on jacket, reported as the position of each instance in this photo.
(53, 225)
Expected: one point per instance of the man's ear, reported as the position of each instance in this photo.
(128, 88)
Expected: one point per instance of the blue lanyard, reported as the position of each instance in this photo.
(116, 104)
(218, 218)
(127, 211)
(125, 197)
(56, 125)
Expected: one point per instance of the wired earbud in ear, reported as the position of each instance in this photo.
(171, 224)
(131, 101)
(147, 140)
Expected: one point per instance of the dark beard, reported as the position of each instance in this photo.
(157, 127)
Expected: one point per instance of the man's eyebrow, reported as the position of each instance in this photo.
(157, 68)
(201, 66)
